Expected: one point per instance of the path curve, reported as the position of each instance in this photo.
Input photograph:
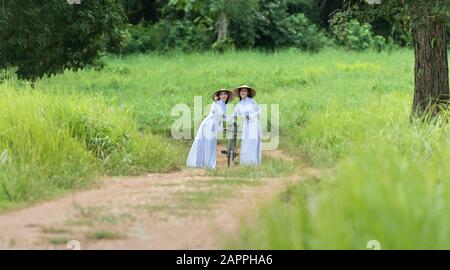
(141, 213)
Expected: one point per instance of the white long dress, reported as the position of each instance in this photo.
(250, 152)
(203, 150)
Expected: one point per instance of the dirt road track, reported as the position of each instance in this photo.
(147, 212)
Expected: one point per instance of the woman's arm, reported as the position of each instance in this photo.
(255, 112)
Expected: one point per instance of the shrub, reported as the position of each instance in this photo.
(186, 35)
(143, 38)
(270, 26)
(243, 30)
(275, 28)
(223, 45)
(303, 34)
(166, 35)
(356, 36)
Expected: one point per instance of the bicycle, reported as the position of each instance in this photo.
(233, 145)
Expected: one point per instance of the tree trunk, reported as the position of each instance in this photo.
(222, 27)
(431, 85)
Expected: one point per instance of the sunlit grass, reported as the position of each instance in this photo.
(339, 109)
(270, 167)
(51, 143)
(392, 185)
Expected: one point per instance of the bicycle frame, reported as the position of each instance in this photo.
(233, 145)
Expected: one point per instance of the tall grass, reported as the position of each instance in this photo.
(302, 83)
(38, 158)
(51, 143)
(340, 109)
(392, 184)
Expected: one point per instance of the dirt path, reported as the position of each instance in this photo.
(188, 209)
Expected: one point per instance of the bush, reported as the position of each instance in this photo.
(166, 35)
(143, 38)
(223, 45)
(243, 31)
(303, 34)
(187, 35)
(356, 36)
(276, 29)
(270, 26)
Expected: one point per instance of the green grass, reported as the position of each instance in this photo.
(59, 240)
(51, 143)
(392, 184)
(271, 167)
(104, 235)
(302, 83)
(339, 109)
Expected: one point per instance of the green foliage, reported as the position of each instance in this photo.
(46, 37)
(204, 15)
(168, 35)
(276, 29)
(270, 27)
(398, 13)
(418, 11)
(242, 22)
(243, 29)
(187, 35)
(264, 24)
(356, 36)
(223, 45)
(302, 34)
(138, 11)
(143, 38)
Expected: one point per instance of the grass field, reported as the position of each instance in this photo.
(342, 110)
(52, 143)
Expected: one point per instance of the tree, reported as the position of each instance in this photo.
(141, 10)
(218, 11)
(45, 37)
(428, 22)
(431, 82)
(224, 10)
